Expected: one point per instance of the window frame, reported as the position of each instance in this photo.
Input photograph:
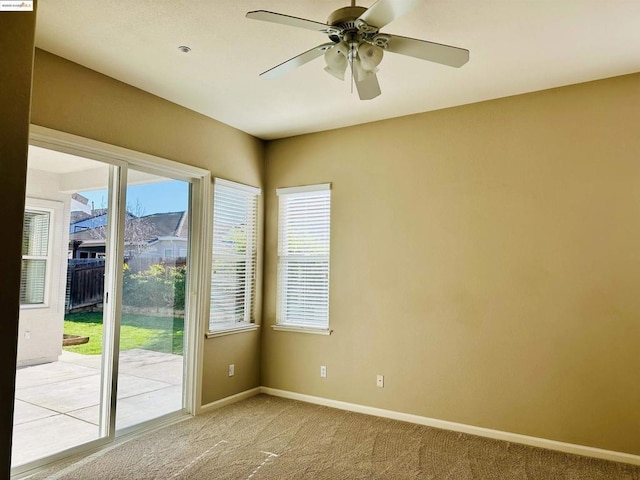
(38, 206)
(250, 288)
(282, 324)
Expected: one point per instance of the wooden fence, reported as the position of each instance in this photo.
(85, 283)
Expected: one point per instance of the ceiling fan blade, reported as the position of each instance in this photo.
(297, 61)
(433, 52)
(386, 11)
(287, 20)
(368, 87)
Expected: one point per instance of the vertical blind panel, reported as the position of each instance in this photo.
(303, 248)
(234, 256)
(32, 281)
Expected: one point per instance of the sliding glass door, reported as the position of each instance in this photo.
(156, 244)
(61, 346)
(107, 337)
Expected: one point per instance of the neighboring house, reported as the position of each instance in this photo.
(170, 234)
(81, 221)
(157, 236)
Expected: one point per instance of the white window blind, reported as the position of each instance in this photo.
(303, 256)
(233, 277)
(35, 257)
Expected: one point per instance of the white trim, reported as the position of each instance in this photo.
(223, 402)
(296, 329)
(199, 276)
(112, 309)
(238, 186)
(104, 152)
(304, 188)
(461, 427)
(241, 328)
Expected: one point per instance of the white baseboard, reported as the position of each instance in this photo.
(209, 407)
(460, 427)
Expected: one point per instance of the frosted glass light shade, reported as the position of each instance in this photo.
(370, 56)
(336, 60)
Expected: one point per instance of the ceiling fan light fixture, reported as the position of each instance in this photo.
(370, 56)
(361, 72)
(336, 61)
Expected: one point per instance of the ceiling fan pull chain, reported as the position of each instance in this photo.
(351, 60)
(352, 79)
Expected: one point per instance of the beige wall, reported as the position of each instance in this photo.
(73, 99)
(484, 259)
(17, 31)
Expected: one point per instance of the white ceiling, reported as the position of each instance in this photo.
(516, 46)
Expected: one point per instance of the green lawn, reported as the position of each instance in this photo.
(160, 334)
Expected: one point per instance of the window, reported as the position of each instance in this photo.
(35, 257)
(168, 253)
(233, 278)
(303, 256)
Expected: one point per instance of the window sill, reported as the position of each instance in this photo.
(292, 328)
(233, 330)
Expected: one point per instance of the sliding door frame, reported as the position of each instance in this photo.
(198, 273)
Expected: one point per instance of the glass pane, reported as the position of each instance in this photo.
(32, 282)
(59, 374)
(35, 233)
(150, 371)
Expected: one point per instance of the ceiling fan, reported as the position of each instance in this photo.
(355, 40)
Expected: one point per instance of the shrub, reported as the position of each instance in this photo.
(159, 286)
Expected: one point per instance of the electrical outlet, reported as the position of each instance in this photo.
(380, 381)
(232, 370)
(27, 335)
(323, 371)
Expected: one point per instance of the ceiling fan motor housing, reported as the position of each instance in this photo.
(345, 16)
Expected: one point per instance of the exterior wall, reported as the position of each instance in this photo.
(73, 99)
(158, 248)
(41, 327)
(484, 259)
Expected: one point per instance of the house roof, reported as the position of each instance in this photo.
(515, 47)
(170, 224)
(147, 228)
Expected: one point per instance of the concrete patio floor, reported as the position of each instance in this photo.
(57, 404)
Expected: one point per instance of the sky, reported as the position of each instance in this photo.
(170, 196)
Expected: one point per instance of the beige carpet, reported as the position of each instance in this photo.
(272, 438)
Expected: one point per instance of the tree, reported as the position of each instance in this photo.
(138, 232)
